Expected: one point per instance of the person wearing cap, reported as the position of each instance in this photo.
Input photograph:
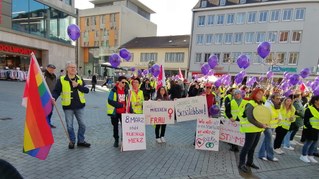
(232, 111)
(116, 105)
(50, 79)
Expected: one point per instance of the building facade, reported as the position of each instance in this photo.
(169, 51)
(38, 26)
(228, 28)
(108, 26)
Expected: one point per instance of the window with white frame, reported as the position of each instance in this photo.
(174, 57)
(251, 17)
(147, 57)
(102, 19)
(218, 56)
(218, 38)
(296, 36)
(272, 36)
(220, 19)
(199, 39)
(287, 15)
(293, 58)
(210, 19)
(280, 58)
(300, 14)
(263, 15)
(201, 20)
(240, 19)
(228, 38)
(204, 3)
(257, 59)
(209, 38)
(283, 38)
(230, 18)
(275, 15)
(222, 2)
(238, 38)
(261, 36)
(226, 58)
(270, 59)
(249, 37)
(206, 56)
(198, 57)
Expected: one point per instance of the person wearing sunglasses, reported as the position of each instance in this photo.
(116, 106)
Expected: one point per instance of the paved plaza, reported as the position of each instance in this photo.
(175, 159)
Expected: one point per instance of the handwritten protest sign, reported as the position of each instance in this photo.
(229, 132)
(191, 108)
(158, 112)
(207, 134)
(133, 132)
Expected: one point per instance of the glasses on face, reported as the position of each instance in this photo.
(123, 82)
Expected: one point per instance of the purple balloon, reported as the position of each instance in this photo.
(73, 32)
(145, 72)
(115, 60)
(239, 78)
(287, 93)
(246, 64)
(263, 49)
(133, 69)
(205, 68)
(243, 61)
(284, 86)
(218, 82)
(214, 109)
(212, 61)
(316, 92)
(125, 54)
(155, 70)
(317, 78)
(294, 79)
(304, 73)
(269, 74)
(211, 72)
(139, 72)
(314, 85)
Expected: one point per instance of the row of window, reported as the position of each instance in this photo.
(276, 15)
(249, 37)
(274, 58)
(170, 57)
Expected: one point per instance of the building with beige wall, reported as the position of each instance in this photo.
(107, 26)
(169, 51)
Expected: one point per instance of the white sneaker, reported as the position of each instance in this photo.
(293, 142)
(264, 158)
(274, 159)
(163, 139)
(158, 140)
(279, 151)
(311, 158)
(304, 158)
(289, 148)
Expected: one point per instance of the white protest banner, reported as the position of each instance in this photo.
(191, 108)
(229, 132)
(207, 134)
(158, 112)
(133, 132)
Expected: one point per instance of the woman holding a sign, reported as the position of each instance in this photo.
(252, 129)
(161, 96)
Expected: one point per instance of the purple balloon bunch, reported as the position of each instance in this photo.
(212, 63)
(243, 61)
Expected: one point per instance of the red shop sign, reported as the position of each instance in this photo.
(15, 49)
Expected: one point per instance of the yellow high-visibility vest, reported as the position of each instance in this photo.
(139, 97)
(285, 122)
(235, 109)
(66, 91)
(314, 121)
(245, 125)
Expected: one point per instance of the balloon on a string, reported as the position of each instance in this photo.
(214, 109)
(288, 93)
(125, 54)
(205, 68)
(156, 70)
(239, 78)
(218, 82)
(133, 69)
(139, 72)
(304, 73)
(242, 61)
(115, 60)
(263, 49)
(73, 32)
(284, 86)
(269, 74)
(317, 78)
(314, 85)
(211, 72)
(243, 73)
(316, 91)
(294, 79)
(246, 64)
(145, 72)
(213, 61)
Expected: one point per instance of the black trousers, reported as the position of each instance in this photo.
(280, 135)
(251, 141)
(157, 130)
(115, 122)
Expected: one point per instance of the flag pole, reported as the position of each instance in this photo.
(66, 133)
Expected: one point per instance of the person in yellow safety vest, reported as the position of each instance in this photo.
(232, 110)
(222, 91)
(153, 85)
(161, 95)
(287, 111)
(71, 87)
(116, 105)
(311, 130)
(266, 151)
(252, 129)
(137, 97)
(228, 98)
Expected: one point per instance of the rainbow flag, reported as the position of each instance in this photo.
(38, 136)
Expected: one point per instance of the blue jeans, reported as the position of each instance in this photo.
(309, 147)
(79, 114)
(286, 141)
(266, 148)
